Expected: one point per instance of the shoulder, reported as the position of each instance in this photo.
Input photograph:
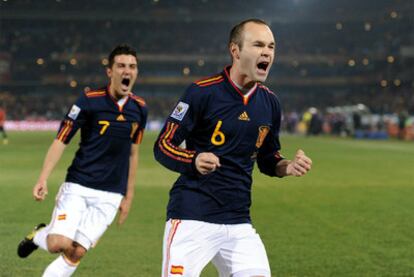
(204, 87)
(271, 96)
(140, 104)
(95, 93)
(269, 93)
(266, 89)
(138, 100)
(210, 81)
(88, 99)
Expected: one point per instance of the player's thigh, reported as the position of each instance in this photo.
(68, 211)
(101, 211)
(243, 254)
(189, 245)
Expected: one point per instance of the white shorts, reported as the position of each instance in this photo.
(234, 249)
(83, 214)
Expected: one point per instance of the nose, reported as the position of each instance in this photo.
(127, 70)
(267, 52)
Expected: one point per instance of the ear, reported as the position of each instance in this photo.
(234, 51)
(109, 72)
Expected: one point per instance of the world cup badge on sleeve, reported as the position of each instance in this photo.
(74, 112)
(180, 111)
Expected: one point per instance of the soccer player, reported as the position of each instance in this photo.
(101, 178)
(228, 121)
(2, 122)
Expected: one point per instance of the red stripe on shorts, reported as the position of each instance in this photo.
(174, 227)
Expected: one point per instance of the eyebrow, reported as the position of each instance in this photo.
(262, 42)
(121, 63)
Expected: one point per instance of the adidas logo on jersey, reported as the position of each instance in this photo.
(120, 118)
(244, 117)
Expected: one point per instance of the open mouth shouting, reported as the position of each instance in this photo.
(262, 67)
(125, 83)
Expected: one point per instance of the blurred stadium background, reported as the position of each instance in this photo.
(343, 70)
(331, 55)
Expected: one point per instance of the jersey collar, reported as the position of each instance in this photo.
(119, 104)
(245, 97)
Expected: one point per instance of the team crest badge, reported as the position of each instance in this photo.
(180, 111)
(263, 131)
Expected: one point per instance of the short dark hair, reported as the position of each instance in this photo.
(122, 49)
(236, 34)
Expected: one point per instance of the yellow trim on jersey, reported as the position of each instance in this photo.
(138, 99)
(172, 150)
(209, 80)
(68, 126)
(95, 93)
(141, 102)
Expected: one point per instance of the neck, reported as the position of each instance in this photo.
(114, 94)
(241, 79)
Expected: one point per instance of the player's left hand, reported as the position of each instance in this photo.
(300, 165)
(124, 208)
(207, 162)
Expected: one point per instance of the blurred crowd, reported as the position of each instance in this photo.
(336, 54)
(350, 121)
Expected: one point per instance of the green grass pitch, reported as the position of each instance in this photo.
(353, 215)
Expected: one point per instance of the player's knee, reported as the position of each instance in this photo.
(79, 252)
(57, 243)
(75, 253)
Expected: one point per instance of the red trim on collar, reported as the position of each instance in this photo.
(245, 99)
(120, 108)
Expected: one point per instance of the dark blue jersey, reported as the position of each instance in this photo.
(214, 116)
(107, 131)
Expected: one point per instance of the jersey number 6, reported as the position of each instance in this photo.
(218, 137)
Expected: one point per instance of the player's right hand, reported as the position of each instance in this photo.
(40, 191)
(207, 162)
(300, 165)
